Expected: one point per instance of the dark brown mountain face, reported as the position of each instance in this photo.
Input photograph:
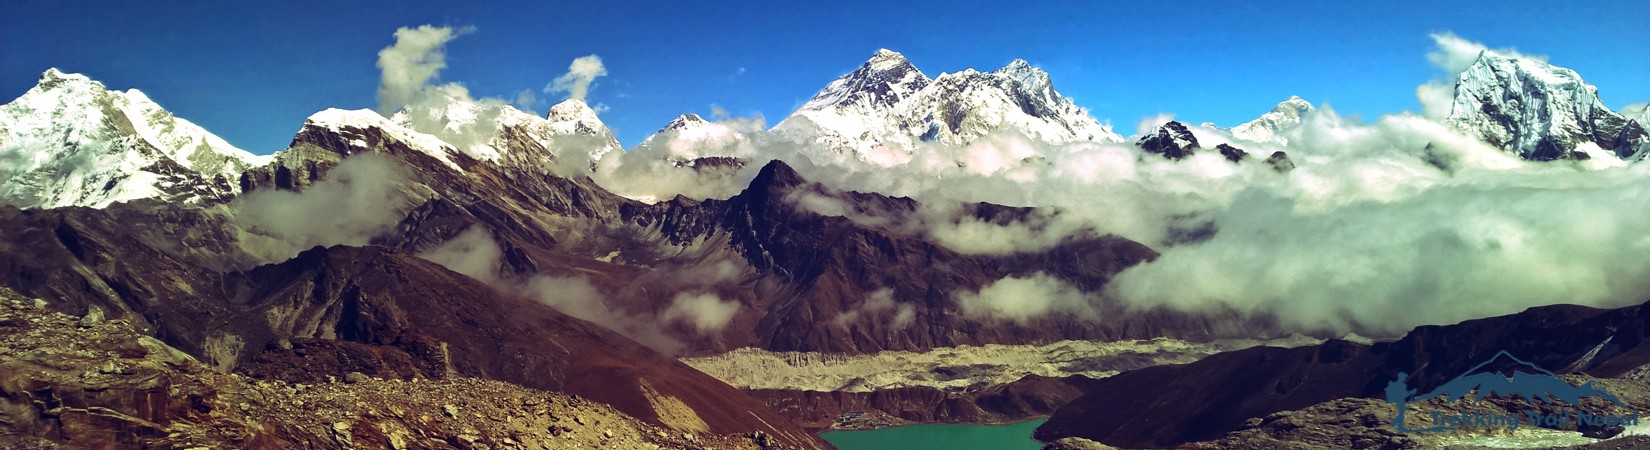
(1165, 406)
(792, 271)
(815, 268)
(91, 382)
(339, 310)
(444, 320)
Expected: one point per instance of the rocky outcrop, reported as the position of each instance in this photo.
(1171, 140)
(1280, 162)
(1231, 153)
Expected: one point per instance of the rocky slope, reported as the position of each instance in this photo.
(70, 141)
(1539, 111)
(338, 310)
(1170, 405)
(83, 382)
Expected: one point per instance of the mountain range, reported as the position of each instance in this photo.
(412, 246)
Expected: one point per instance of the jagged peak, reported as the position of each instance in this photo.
(1294, 103)
(358, 118)
(885, 59)
(776, 174)
(683, 122)
(1521, 65)
(1172, 140)
(53, 78)
(883, 80)
(1031, 76)
(571, 109)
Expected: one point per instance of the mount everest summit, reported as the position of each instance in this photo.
(888, 102)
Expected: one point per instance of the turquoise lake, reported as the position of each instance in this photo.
(1015, 436)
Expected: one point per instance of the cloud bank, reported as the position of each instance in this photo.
(1382, 225)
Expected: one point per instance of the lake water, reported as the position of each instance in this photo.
(963, 436)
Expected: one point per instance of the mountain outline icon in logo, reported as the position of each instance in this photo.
(1536, 383)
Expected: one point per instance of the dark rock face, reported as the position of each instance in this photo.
(1204, 399)
(1171, 140)
(820, 267)
(881, 80)
(1280, 162)
(1231, 153)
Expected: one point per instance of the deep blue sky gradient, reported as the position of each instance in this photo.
(252, 72)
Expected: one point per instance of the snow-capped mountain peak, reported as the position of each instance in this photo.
(882, 81)
(70, 141)
(573, 117)
(1034, 79)
(887, 102)
(1268, 127)
(1172, 140)
(1537, 110)
(354, 125)
(684, 122)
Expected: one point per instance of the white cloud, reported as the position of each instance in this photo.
(878, 311)
(706, 312)
(1637, 111)
(580, 74)
(409, 65)
(1149, 124)
(1023, 299)
(408, 69)
(359, 199)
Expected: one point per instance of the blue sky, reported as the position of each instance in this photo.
(252, 72)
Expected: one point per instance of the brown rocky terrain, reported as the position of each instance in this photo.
(88, 382)
(1170, 405)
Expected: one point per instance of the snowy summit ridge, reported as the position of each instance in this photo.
(887, 101)
(1539, 111)
(70, 141)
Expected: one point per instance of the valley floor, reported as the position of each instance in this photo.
(953, 369)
